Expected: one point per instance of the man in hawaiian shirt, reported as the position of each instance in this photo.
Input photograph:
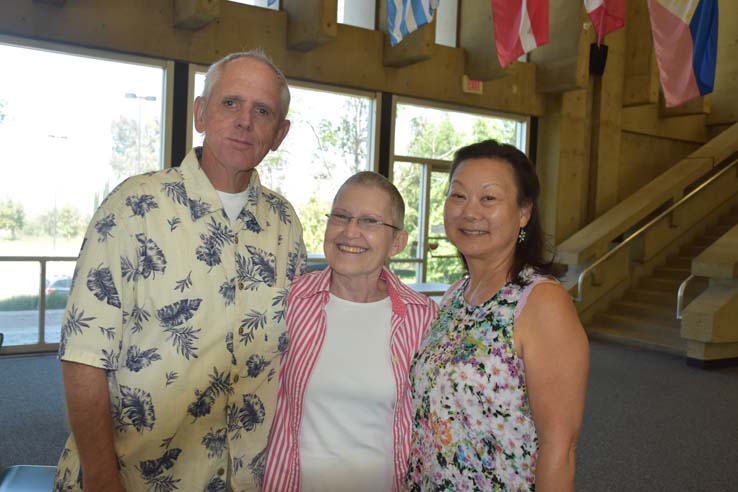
(173, 332)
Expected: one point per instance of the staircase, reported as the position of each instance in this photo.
(646, 315)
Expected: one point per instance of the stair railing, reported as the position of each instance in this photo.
(589, 269)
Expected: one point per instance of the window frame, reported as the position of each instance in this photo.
(430, 165)
(167, 67)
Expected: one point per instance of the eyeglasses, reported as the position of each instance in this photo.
(365, 223)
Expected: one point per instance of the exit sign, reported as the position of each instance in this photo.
(471, 86)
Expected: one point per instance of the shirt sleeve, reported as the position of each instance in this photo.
(102, 294)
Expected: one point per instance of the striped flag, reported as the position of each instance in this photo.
(520, 27)
(406, 16)
(685, 40)
(606, 15)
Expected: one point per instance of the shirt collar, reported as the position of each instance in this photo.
(400, 294)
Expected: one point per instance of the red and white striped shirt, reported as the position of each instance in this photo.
(412, 314)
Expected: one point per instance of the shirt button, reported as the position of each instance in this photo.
(240, 331)
(240, 286)
(236, 240)
(235, 378)
(221, 471)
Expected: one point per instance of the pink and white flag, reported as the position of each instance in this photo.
(606, 15)
(520, 27)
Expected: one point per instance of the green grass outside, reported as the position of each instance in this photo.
(55, 300)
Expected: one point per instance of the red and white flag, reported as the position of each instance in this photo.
(606, 15)
(520, 27)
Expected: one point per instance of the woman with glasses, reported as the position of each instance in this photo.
(343, 417)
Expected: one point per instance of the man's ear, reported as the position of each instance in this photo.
(199, 114)
(399, 241)
(284, 127)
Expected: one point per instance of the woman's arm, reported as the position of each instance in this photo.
(555, 350)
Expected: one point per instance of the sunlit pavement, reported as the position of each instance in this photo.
(21, 327)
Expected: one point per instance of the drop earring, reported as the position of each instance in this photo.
(521, 236)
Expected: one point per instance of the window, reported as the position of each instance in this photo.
(72, 126)
(331, 137)
(447, 22)
(359, 13)
(425, 138)
(269, 4)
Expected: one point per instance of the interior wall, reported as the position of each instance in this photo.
(353, 59)
(643, 158)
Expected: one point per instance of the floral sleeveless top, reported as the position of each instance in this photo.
(473, 427)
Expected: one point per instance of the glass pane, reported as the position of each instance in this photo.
(70, 142)
(437, 133)
(446, 22)
(405, 270)
(330, 139)
(59, 281)
(444, 264)
(270, 4)
(19, 302)
(359, 13)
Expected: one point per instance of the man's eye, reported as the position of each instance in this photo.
(368, 221)
(263, 111)
(229, 103)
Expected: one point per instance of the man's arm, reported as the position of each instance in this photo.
(88, 405)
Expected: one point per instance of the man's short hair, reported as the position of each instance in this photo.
(216, 69)
(376, 180)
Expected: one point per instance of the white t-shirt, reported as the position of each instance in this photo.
(233, 203)
(346, 434)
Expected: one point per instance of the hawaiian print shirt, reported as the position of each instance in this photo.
(186, 313)
(473, 426)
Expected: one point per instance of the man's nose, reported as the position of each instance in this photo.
(245, 119)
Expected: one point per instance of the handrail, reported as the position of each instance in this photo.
(680, 294)
(684, 199)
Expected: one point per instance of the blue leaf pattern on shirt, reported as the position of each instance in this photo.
(183, 339)
(134, 409)
(175, 190)
(109, 360)
(229, 346)
(139, 316)
(253, 321)
(104, 227)
(151, 258)
(212, 243)
(255, 365)
(136, 359)
(73, 325)
(141, 204)
(249, 221)
(215, 442)
(252, 413)
(220, 384)
(153, 472)
(278, 206)
(216, 484)
(171, 377)
(127, 269)
(198, 209)
(228, 291)
(185, 283)
(178, 312)
(258, 467)
(173, 223)
(256, 269)
(100, 283)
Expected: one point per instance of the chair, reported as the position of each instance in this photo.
(27, 478)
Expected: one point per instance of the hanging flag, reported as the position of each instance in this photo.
(607, 16)
(406, 16)
(520, 26)
(685, 40)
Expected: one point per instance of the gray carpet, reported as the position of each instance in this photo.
(651, 424)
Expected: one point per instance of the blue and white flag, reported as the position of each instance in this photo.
(406, 16)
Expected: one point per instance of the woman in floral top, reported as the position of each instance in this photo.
(499, 384)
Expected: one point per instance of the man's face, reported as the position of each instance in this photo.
(241, 119)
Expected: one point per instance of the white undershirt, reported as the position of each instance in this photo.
(346, 434)
(233, 203)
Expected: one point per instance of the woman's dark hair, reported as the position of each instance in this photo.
(531, 252)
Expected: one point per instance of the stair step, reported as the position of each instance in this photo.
(671, 345)
(638, 324)
(665, 299)
(672, 272)
(677, 261)
(663, 284)
(691, 250)
(730, 219)
(720, 229)
(657, 312)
